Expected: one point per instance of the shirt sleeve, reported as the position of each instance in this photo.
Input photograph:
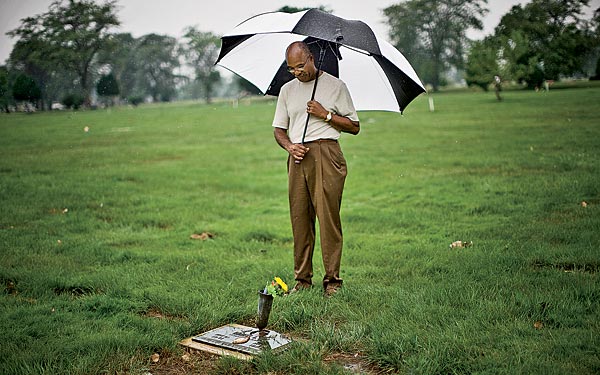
(281, 119)
(344, 105)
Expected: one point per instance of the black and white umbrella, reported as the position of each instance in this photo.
(377, 75)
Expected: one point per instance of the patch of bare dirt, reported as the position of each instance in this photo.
(354, 363)
(157, 314)
(202, 236)
(187, 363)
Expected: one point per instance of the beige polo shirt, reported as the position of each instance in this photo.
(291, 114)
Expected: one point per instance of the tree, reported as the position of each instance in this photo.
(144, 66)
(70, 34)
(432, 33)
(595, 24)
(482, 63)
(5, 93)
(29, 56)
(119, 55)
(596, 76)
(108, 86)
(551, 37)
(25, 89)
(290, 9)
(518, 61)
(157, 60)
(201, 50)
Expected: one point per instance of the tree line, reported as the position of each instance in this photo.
(70, 51)
(541, 40)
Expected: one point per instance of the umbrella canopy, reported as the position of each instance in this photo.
(377, 75)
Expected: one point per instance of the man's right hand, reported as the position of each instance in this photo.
(297, 151)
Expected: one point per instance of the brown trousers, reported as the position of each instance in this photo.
(315, 189)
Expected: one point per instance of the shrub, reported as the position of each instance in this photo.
(107, 85)
(134, 100)
(72, 101)
(26, 89)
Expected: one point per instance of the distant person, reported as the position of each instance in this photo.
(498, 87)
(317, 168)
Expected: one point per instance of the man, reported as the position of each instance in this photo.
(317, 168)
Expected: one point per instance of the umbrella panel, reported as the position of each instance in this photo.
(404, 88)
(256, 58)
(354, 67)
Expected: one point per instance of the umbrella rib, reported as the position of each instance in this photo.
(357, 50)
(248, 19)
(258, 15)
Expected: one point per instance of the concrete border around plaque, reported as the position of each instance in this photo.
(221, 341)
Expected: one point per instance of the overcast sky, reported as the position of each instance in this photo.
(170, 17)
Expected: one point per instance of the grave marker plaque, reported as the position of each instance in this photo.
(258, 341)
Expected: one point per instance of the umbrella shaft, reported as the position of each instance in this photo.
(308, 114)
(321, 58)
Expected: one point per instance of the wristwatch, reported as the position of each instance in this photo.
(328, 118)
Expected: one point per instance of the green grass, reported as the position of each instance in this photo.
(82, 288)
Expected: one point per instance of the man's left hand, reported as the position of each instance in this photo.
(341, 123)
(316, 109)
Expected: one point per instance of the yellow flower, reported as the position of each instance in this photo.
(282, 284)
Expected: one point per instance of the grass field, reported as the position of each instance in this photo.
(99, 272)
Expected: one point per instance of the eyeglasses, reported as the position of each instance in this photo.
(299, 68)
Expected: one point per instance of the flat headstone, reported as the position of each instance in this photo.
(224, 337)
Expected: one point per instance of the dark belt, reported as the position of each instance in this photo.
(323, 140)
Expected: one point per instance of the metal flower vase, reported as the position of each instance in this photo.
(265, 302)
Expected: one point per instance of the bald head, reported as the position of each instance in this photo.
(300, 61)
(298, 47)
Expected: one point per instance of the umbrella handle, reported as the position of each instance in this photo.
(321, 58)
